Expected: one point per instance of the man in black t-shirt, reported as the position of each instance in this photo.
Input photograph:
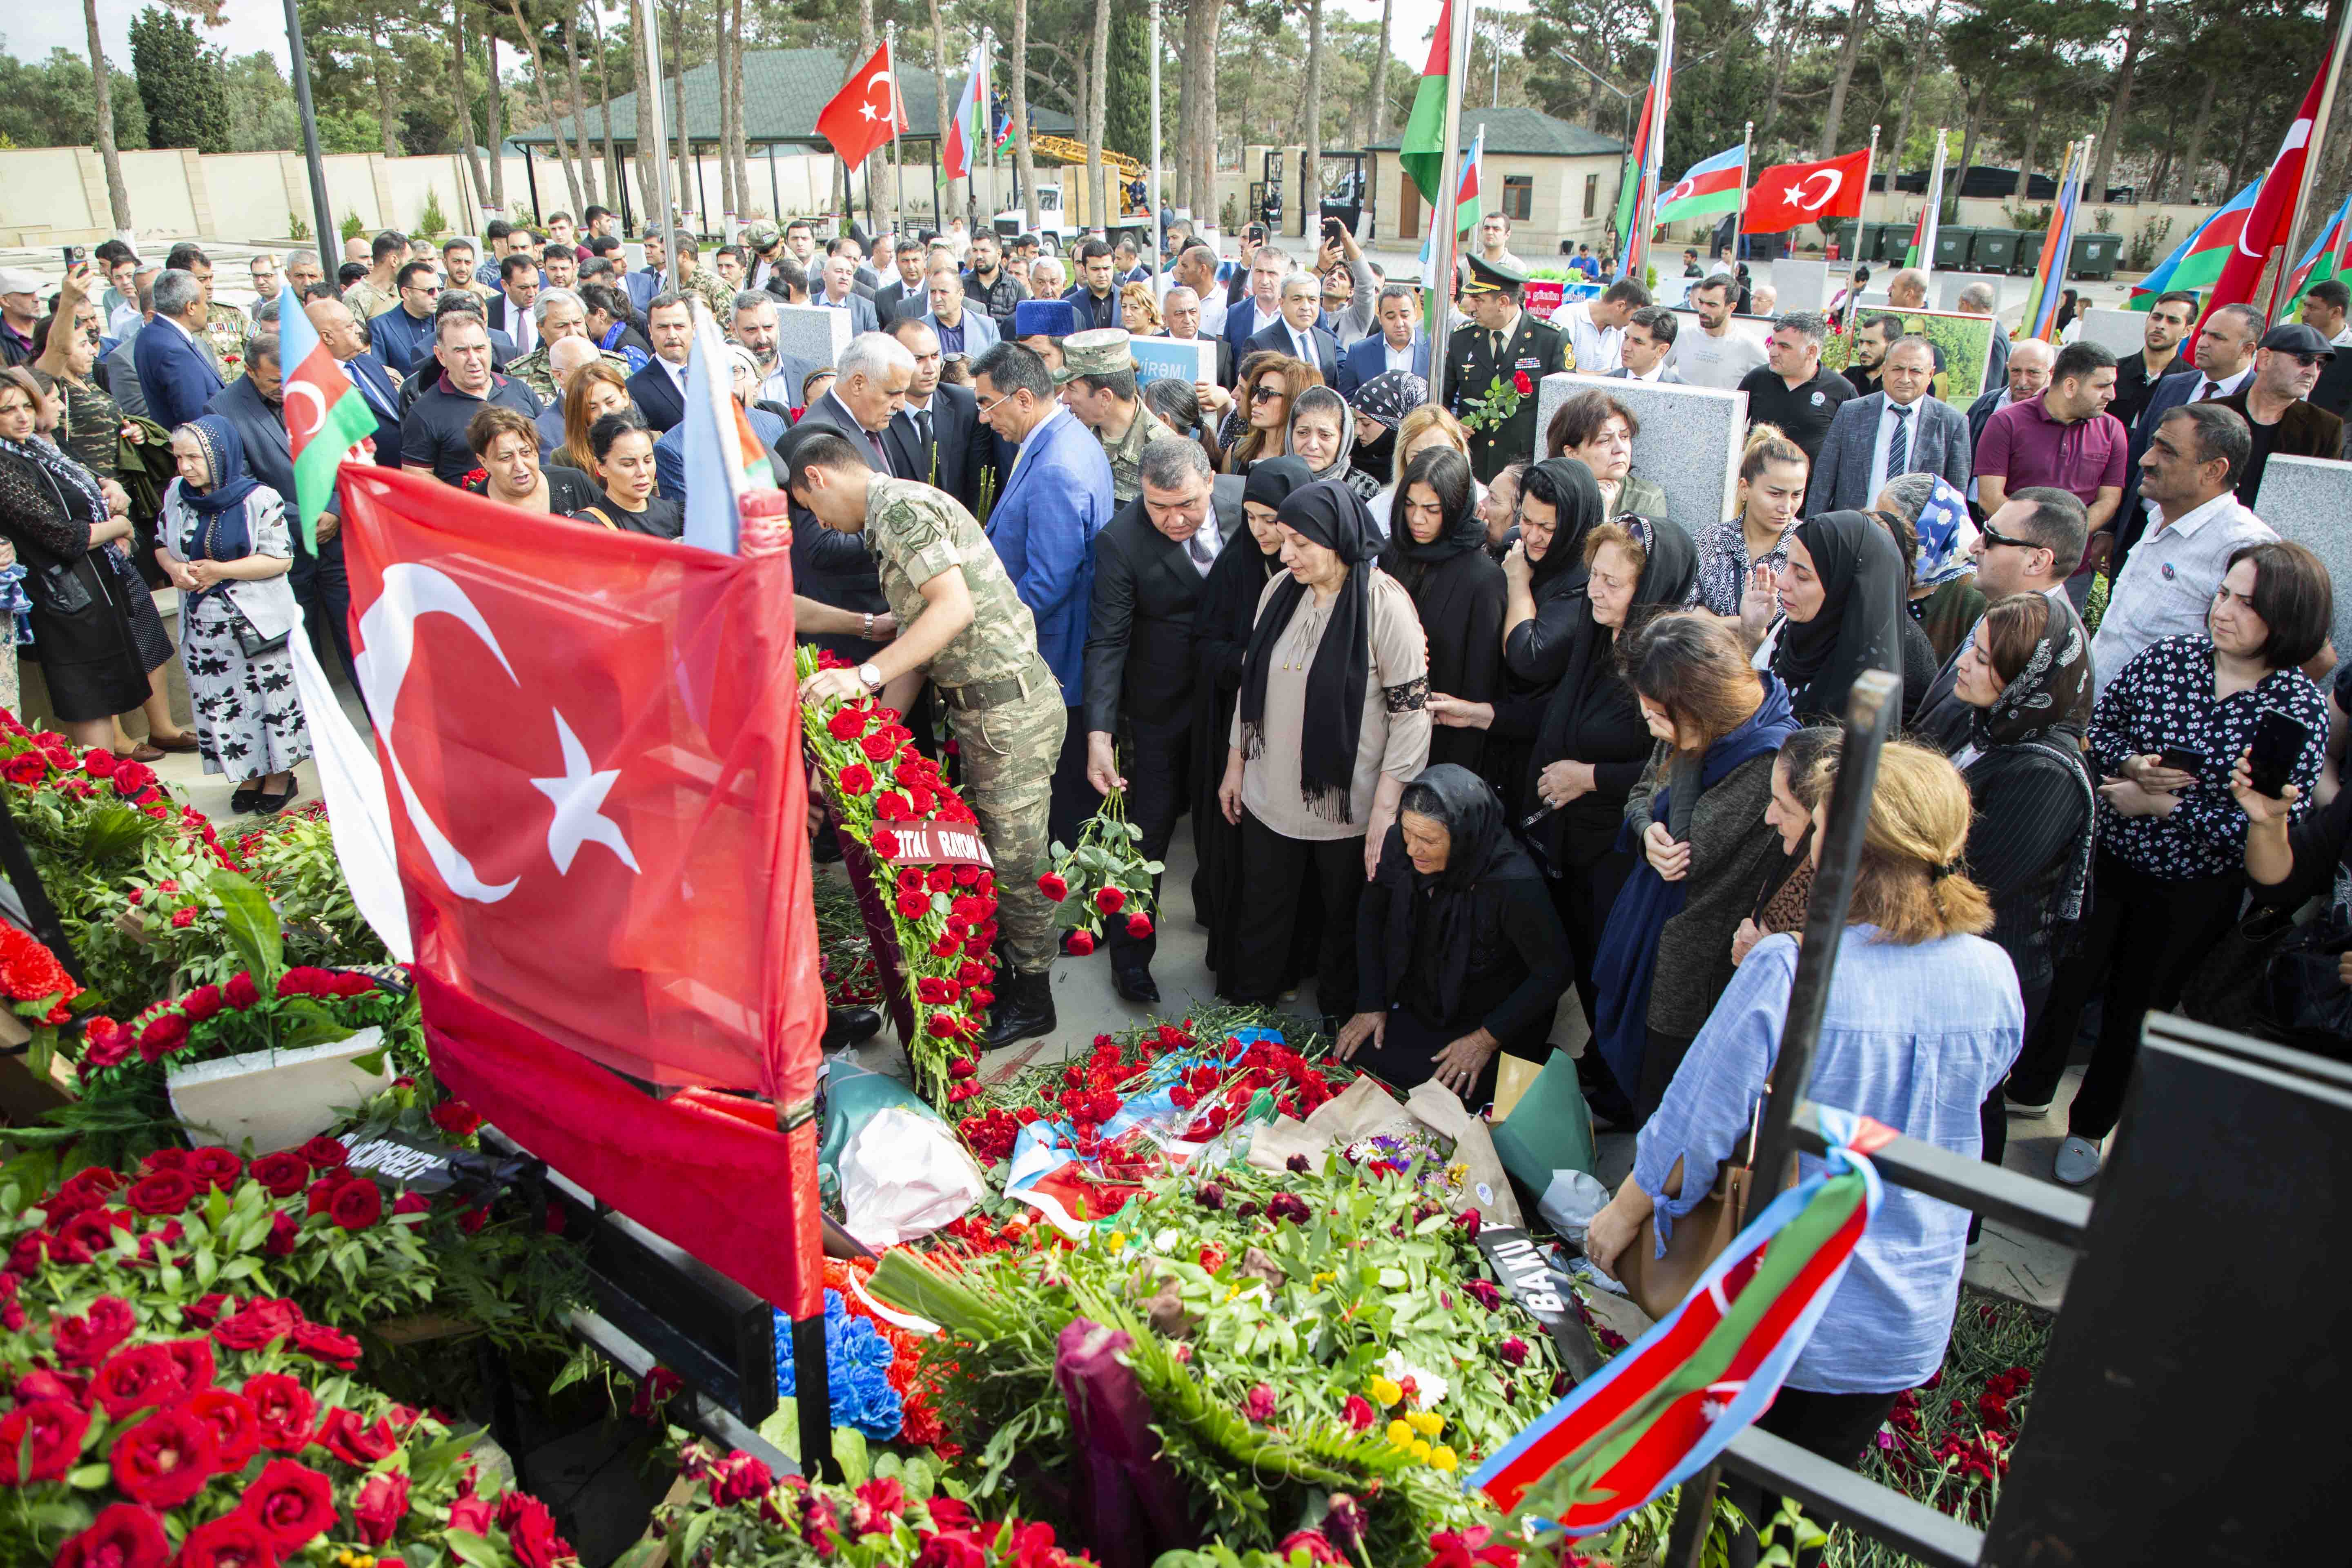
(1793, 390)
(433, 433)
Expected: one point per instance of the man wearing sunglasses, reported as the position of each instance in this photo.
(2029, 546)
(2287, 367)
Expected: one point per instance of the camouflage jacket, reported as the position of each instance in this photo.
(226, 327)
(916, 532)
(1126, 454)
(531, 370)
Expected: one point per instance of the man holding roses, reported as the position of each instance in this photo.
(1495, 363)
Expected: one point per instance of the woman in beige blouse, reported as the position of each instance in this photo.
(1330, 726)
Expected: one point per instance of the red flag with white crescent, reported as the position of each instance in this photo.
(2269, 226)
(861, 115)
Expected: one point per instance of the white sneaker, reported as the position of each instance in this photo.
(2023, 1108)
(2077, 1161)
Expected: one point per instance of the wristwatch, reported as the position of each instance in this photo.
(870, 676)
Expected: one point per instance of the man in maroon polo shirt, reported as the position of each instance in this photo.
(2066, 439)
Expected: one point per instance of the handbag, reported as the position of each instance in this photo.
(1657, 1285)
(250, 642)
(2278, 981)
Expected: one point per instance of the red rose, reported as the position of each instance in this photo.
(99, 764)
(124, 1537)
(343, 1436)
(1520, 384)
(283, 1410)
(93, 1230)
(52, 1428)
(456, 1117)
(241, 992)
(233, 1541)
(165, 1159)
(203, 1313)
(381, 1505)
(285, 1231)
(201, 1002)
(912, 906)
(85, 1341)
(893, 806)
(1110, 900)
(1357, 1412)
(281, 1174)
(846, 724)
(130, 777)
(136, 1378)
(25, 768)
(257, 1324)
(530, 1531)
(104, 1044)
(237, 1428)
(1053, 886)
(878, 748)
(164, 1192)
(164, 1032)
(330, 1346)
(963, 1067)
(470, 1514)
(856, 779)
(165, 1460)
(412, 1203)
(325, 1154)
(886, 844)
(41, 1383)
(1138, 926)
(1081, 942)
(738, 1477)
(294, 1504)
(220, 1167)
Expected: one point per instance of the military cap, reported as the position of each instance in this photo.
(1490, 276)
(1100, 351)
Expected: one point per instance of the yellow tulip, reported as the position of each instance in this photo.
(1444, 1457)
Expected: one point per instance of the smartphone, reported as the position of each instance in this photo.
(2279, 739)
(2181, 760)
(74, 255)
(1331, 229)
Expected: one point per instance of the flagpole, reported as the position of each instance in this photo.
(1443, 238)
(890, 65)
(987, 128)
(1159, 235)
(1645, 201)
(1747, 157)
(1869, 166)
(649, 113)
(2311, 154)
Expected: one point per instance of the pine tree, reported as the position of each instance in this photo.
(182, 81)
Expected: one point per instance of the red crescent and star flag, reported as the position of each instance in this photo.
(2269, 225)
(1787, 195)
(861, 115)
(591, 744)
(325, 415)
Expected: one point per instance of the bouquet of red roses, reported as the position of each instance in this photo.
(1104, 877)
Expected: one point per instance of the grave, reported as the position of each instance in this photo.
(2122, 333)
(1688, 443)
(1802, 285)
(812, 333)
(2308, 500)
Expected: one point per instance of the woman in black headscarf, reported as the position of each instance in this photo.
(1437, 552)
(1330, 723)
(1460, 955)
(1841, 597)
(1380, 406)
(1543, 582)
(1221, 635)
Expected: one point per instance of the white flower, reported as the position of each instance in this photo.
(1429, 1388)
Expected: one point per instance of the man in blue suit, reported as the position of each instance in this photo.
(1043, 524)
(1262, 305)
(404, 335)
(1295, 332)
(659, 389)
(1398, 345)
(173, 369)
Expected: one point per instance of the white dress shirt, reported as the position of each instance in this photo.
(1303, 345)
(1599, 350)
(1887, 419)
(2168, 581)
(1395, 358)
(1200, 550)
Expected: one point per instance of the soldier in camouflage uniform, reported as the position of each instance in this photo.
(226, 327)
(1097, 383)
(559, 314)
(704, 282)
(1004, 705)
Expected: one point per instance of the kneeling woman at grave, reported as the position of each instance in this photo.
(1459, 954)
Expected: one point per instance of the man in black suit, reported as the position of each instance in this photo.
(906, 293)
(833, 567)
(938, 436)
(659, 389)
(2273, 404)
(510, 309)
(2325, 305)
(1150, 561)
(1295, 332)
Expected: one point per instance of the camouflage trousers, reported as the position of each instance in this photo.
(1008, 754)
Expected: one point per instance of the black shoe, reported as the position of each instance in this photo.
(845, 1026)
(242, 800)
(1023, 1010)
(1603, 1096)
(272, 801)
(1134, 985)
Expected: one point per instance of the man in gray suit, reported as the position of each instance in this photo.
(1648, 344)
(1898, 429)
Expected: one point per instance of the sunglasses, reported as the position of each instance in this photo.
(1992, 535)
(2307, 361)
(1263, 394)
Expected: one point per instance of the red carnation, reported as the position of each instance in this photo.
(237, 1427)
(306, 980)
(125, 1536)
(342, 1435)
(85, 1341)
(1520, 384)
(1053, 886)
(231, 1540)
(139, 1377)
(283, 1410)
(163, 1033)
(293, 1503)
(1110, 900)
(165, 1460)
(1259, 1404)
(856, 779)
(325, 1154)
(1138, 926)
(330, 1346)
(241, 992)
(1081, 942)
(1357, 1412)
(219, 1167)
(54, 1430)
(183, 917)
(456, 1117)
(281, 1174)
(381, 1505)
(104, 1044)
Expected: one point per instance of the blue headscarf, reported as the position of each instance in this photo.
(1946, 535)
(224, 451)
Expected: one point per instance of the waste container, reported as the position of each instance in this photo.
(1863, 248)
(1995, 250)
(1952, 245)
(2030, 242)
(2095, 255)
(1766, 247)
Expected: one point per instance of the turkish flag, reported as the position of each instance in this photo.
(1787, 195)
(2271, 223)
(592, 744)
(863, 114)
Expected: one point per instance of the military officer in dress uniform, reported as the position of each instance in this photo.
(1502, 341)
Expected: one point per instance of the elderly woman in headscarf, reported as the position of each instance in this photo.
(1944, 598)
(1840, 599)
(1380, 406)
(1459, 955)
(1322, 432)
(1331, 724)
(222, 541)
(1436, 553)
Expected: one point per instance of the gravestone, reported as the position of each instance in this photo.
(2308, 500)
(2122, 333)
(1688, 443)
(1950, 286)
(812, 333)
(1156, 359)
(1802, 285)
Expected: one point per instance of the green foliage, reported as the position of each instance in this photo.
(48, 103)
(2140, 252)
(1127, 104)
(348, 131)
(351, 226)
(432, 220)
(181, 80)
(296, 228)
(262, 117)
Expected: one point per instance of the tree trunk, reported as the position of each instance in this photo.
(1857, 25)
(579, 115)
(944, 198)
(2025, 160)
(1967, 151)
(1376, 89)
(685, 193)
(1098, 182)
(728, 200)
(2184, 178)
(1024, 165)
(461, 103)
(1198, 113)
(546, 106)
(2239, 158)
(498, 130)
(643, 17)
(2119, 105)
(1310, 182)
(387, 119)
(616, 176)
(118, 196)
(738, 135)
(1921, 64)
(1791, 19)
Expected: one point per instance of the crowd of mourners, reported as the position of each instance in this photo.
(1464, 717)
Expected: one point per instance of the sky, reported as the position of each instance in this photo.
(261, 25)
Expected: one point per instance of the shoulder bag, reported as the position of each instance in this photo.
(1657, 1285)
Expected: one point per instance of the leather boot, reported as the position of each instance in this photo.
(846, 1026)
(1024, 1012)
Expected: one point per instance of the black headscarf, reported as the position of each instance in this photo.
(1405, 559)
(1270, 482)
(2030, 707)
(1333, 516)
(1433, 917)
(1860, 623)
(1387, 398)
(1582, 510)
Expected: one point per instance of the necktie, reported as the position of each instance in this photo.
(2206, 387)
(923, 430)
(1197, 547)
(1495, 347)
(1898, 444)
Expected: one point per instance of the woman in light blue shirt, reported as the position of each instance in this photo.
(1924, 1019)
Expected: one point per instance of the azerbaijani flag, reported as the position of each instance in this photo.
(326, 416)
(1629, 187)
(1466, 206)
(2197, 261)
(2042, 304)
(1715, 184)
(964, 131)
(1923, 238)
(2327, 258)
(1421, 153)
(723, 456)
